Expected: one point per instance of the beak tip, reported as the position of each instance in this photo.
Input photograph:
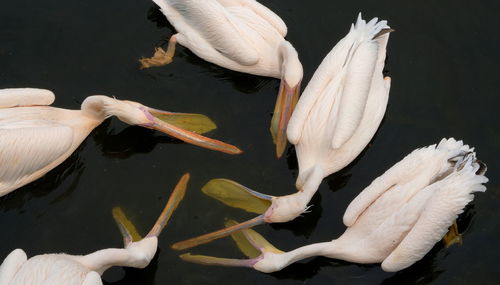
(176, 246)
(281, 144)
(233, 150)
(186, 176)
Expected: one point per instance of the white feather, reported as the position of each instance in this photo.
(402, 214)
(11, 265)
(13, 97)
(449, 197)
(29, 146)
(241, 35)
(212, 22)
(344, 103)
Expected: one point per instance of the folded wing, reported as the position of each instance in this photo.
(29, 146)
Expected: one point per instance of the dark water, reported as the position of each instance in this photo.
(443, 59)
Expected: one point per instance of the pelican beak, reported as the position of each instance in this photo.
(129, 231)
(287, 99)
(187, 127)
(126, 227)
(234, 195)
(249, 242)
(172, 203)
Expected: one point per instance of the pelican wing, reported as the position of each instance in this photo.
(11, 265)
(213, 23)
(404, 170)
(261, 10)
(13, 97)
(341, 83)
(324, 84)
(363, 56)
(254, 28)
(449, 198)
(27, 147)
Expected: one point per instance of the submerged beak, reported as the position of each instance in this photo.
(285, 104)
(206, 238)
(234, 195)
(250, 243)
(187, 127)
(126, 227)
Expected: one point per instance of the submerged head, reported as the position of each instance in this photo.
(291, 68)
(186, 127)
(140, 251)
(397, 229)
(262, 255)
(291, 77)
(271, 209)
(127, 228)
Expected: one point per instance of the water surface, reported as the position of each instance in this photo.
(443, 60)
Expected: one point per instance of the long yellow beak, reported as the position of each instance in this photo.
(174, 200)
(235, 195)
(174, 125)
(128, 229)
(206, 238)
(249, 242)
(285, 104)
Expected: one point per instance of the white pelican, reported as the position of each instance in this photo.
(241, 35)
(395, 221)
(36, 137)
(336, 117)
(64, 269)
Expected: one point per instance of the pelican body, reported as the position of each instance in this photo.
(240, 35)
(65, 269)
(344, 103)
(37, 137)
(396, 220)
(337, 115)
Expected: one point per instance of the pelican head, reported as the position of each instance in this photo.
(271, 209)
(395, 221)
(61, 268)
(186, 127)
(138, 251)
(291, 77)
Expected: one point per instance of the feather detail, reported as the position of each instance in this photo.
(214, 24)
(262, 11)
(449, 197)
(431, 160)
(357, 80)
(13, 97)
(27, 147)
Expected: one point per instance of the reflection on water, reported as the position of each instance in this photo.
(144, 276)
(48, 184)
(243, 82)
(305, 270)
(422, 272)
(157, 17)
(305, 224)
(338, 180)
(131, 140)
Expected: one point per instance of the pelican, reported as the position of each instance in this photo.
(395, 221)
(336, 117)
(240, 35)
(36, 137)
(65, 269)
